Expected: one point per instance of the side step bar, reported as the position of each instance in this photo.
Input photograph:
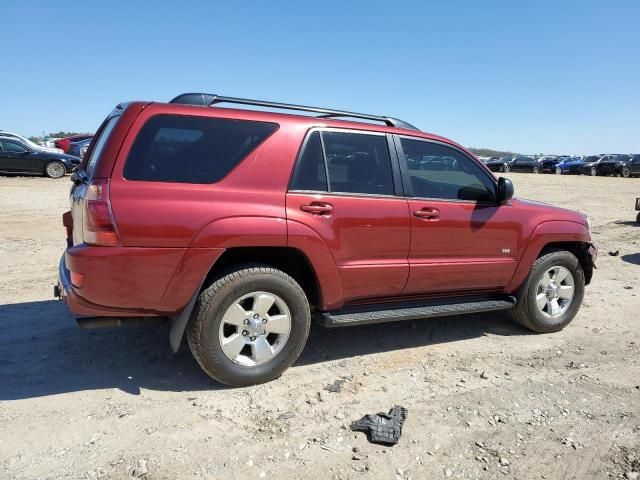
(386, 313)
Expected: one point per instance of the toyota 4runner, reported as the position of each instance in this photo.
(238, 225)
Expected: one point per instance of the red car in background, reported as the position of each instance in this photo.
(65, 143)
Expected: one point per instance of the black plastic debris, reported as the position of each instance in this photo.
(615, 254)
(382, 428)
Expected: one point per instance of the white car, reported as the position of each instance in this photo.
(31, 144)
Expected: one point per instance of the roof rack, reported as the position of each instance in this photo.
(208, 100)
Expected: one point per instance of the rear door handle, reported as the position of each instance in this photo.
(428, 213)
(318, 208)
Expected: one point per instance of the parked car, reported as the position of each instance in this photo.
(76, 147)
(608, 165)
(629, 167)
(523, 164)
(591, 168)
(29, 143)
(638, 210)
(17, 156)
(574, 166)
(65, 143)
(83, 150)
(238, 224)
(500, 164)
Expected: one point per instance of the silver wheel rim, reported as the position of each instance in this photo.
(555, 292)
(625, 172)
(558, 171)
(507, 168)
(535, 170)
(594, 172)
(55, 169)
(255, 328)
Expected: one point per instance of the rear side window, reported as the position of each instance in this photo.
(354, 163)
(176, 148)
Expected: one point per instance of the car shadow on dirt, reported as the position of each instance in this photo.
(43, 352)
(631, 258)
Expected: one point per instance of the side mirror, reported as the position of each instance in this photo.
(505, 190)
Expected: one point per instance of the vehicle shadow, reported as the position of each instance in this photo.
(43, 352)
(629, 223)
(631, 258)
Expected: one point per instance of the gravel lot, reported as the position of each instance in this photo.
(115, 403)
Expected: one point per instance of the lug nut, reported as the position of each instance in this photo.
(253, 339)
(264, 332)
(246, 321)
(264, 320)
(244, 333)
(256, 316)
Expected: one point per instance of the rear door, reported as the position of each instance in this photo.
(462, 241)
(345, 189)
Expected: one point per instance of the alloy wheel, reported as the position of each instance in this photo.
(555, 291)
(55, 170)
(255, 328)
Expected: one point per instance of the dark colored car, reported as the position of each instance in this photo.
(18, 157)
(65, 143)
(574, 166)
(524, 164)
(629, 167)
(76, 147)
(238, 225)
(609, 165)
(499, 164)
(592, 168)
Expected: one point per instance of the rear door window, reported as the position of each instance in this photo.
(176, 148)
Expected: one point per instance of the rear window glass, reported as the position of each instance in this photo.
(101, 140)
(176, 148)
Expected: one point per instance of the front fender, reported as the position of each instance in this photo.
(547, 232)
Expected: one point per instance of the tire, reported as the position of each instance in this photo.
(626, 172)
(536, 170)
(593, 171)
(558, 171)
(638, 219)
(506, 168)
(219, 304)
(55, 169)
(527, 312)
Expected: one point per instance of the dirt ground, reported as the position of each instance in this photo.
(486, 399)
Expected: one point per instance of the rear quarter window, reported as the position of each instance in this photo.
(181, 149)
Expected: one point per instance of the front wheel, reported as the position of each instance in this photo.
(626, 172)
(55, 169)
(552, 294)
(506, 168)
(536, 170)
(593, 171)
(249, 326)
(558, 171)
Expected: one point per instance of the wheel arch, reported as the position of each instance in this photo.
(558, 234)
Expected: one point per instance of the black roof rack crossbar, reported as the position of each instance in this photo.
(209, 100)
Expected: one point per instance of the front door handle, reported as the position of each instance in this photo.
(318, 208)
(428, 213)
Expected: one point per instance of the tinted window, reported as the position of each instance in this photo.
(437, 171)
(96, 152)
(358, 163)
(13, 147)
(310, 173)
(174, 148)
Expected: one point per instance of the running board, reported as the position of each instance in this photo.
(364, 315)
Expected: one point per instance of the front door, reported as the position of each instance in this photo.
(344, 191)
(16, 157)
(461, 240)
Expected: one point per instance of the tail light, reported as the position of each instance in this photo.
(98, 226)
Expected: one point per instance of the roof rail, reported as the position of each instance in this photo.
(208, 100)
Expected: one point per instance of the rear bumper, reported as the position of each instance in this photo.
(131, 281)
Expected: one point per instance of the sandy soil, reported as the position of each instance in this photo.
(115, 403)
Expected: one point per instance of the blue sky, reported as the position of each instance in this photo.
(543, 76)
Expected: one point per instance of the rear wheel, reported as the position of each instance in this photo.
(55, 169)
(626, 172)
(536, 170)
(593, 171)
(558, 171)
(249, 326)
(506, 168)
(552, 295)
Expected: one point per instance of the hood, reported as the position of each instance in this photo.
(555, 212)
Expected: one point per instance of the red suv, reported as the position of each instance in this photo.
(240, 225)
